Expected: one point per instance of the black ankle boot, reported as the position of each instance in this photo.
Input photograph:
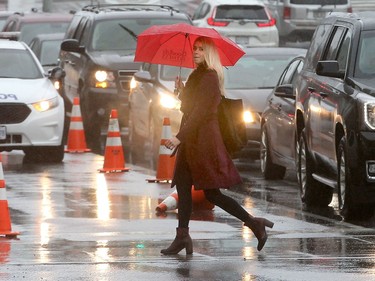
(258, 227)
(182, 240)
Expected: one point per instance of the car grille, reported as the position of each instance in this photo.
(13, 113)
(125, 77)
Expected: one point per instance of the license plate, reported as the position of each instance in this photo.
(3, 132)
(244, 40)
(320, 14)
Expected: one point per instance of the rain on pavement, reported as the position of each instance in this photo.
(76, 223)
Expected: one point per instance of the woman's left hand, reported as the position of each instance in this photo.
(172, 143)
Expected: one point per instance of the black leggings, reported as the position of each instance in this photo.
(228, 204)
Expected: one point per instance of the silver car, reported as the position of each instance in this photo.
(246, 22)
(296, 20)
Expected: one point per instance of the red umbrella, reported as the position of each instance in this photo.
(173, 45)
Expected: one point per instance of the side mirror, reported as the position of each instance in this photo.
(72, 45)
(285, 91)
(143, 76)
(57, 73)
(329, 68)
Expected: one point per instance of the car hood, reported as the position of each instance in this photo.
(116, 61)
(254, 99)
(26, 90)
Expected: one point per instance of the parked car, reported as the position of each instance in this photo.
(151, 99)
(278, 137)
(98, 57)
(46, 47)
(31, 110)
(25, 26)
(252, 79)
(246, 22)
(296, 20)
(335, 124)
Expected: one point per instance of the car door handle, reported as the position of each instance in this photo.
(323, 94)
(311, 89)
(279, 106)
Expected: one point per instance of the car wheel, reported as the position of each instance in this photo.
(46, 154)
(153, 142)
(312, 191)
(269, 170)
(136, 145)
(348, 208)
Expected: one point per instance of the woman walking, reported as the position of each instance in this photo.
(202, 159)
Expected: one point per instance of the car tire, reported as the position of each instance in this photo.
(348, 208)
(137, 145)
(269, 170)
(312, 192)
(44, 154)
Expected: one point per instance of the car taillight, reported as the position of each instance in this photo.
(213, 22)
(286, 13)
(271, 22)
(350, 10)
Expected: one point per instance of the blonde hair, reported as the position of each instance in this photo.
(212, 59)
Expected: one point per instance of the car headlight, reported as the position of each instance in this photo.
(369, 114)
(104, 79)
(169, 101)
(45, 105)
(133, 83)
(250, 117)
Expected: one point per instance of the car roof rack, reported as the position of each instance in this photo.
(127, 7)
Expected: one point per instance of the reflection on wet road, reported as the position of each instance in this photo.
(79, 224)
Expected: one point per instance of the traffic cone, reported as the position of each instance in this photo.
(165, 167)
(76, 135)
(169, 203)
(4, 250)
(114, 160)
(199, 201)
(5, 223)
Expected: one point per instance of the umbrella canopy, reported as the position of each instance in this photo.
(173, 45)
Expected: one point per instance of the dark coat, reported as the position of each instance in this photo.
(204, 152)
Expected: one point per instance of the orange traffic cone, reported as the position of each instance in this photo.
(199, 201)
(169, 203)
(76, 136)
(165, 167)
(4, 250)
(5, 224)
(114, 160)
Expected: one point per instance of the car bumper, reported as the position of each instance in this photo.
(38, 129)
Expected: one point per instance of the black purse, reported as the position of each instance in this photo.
(232, 125)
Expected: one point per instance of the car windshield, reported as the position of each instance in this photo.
(19, 64)
(121, 34)
(169, 73)
(365, 64)
(30, 30)
(240, 12)
(255, 72)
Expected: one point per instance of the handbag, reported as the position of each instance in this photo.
(232, 125)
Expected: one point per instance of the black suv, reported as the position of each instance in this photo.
(97, 55)
(335, 115)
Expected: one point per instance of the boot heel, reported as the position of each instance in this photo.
(268, 223)
(189, 249)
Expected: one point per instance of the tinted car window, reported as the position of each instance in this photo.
(20, 64)
(316, 46)
(241, 12)
(333, 48)
(319, 2)
(50, 52)
(30, 30)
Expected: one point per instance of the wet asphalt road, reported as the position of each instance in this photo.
(79, 224)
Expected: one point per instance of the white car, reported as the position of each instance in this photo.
(246, 22)
(31, 110)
